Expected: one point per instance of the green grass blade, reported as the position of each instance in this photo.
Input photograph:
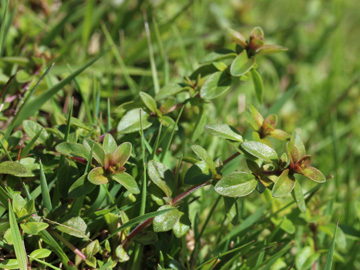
(144, 187)
(330, 257)
(33, 106)
(87, 24)
(128, 79)
(17, 239)
(152, 59)
(30, 145)
(3, 26)
(44, 188)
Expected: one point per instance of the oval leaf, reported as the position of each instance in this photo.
(98, 151)
(122, 153)
(40, 253)
(299, 197)
(75, 226)
(162, 176)
(32, 128)
(284, 185)
(109, 143)
(295, 148)
(131, 121)
(97, 176)
(148, 101)
(241, 64)
(198, 173)
(216, 85)
(34, 227)
(258, 84)
(223, 131)
(203, 154)
(127, 181)
(72, 149)
(237, 184)
(260, 150)
(13, 168)
(166, 221)
(314, 174)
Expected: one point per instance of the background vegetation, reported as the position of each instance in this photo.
(313, 88)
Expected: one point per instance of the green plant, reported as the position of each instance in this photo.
(85, 194)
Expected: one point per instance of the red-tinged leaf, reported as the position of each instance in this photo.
(238, 38)
(314, 174)
(279, 134)
(257, 33)
(271, 120)
(122, 153)
(254, 118)
(168, 106)
(97, 176)
(270, 49)
(284, 185)
(295, 148)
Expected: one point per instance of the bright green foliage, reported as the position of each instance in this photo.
(168, 150)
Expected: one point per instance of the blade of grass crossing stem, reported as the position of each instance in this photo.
(162, 51)
(17, 118)
(330, 257)
(136, 221)
(172, 134)
(17, 239)
(151, 55)
(143, 195)
(128, 79)
(33, 106)
(84, 99)
(44, 188)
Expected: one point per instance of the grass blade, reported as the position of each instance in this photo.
(44, 188)
(330, 257)
(30, 108)
(17, 239)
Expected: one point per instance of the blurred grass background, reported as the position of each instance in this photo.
(314, 87)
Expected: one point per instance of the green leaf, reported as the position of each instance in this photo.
(295, 148)
(162, 176)
(45, 189)
(32, 128)
(149, 102)
(19, 205)
(203, 154)
(75, 226)
(72, 149)
(182, 226)
(98, 151)
(166, 221)
(169, 90)
(254, 118)
(237, 184)
(34, 227)
(13, 168)
(198, 173)
(168, 106)
(121, 254)
(97, 176)
(305, 258)
(109, 143)
(17, 239)
(122, 153)
(223, 131)
(313, 174)
(299, 197)
(260, 150)
(146, 238)
(131, 121)
(284, 184)
(10, 264)
(329, 259)
(218, 55)
(258, 84)
(35, 104)
(241, 64)
(199, 125)
(216, 85)
(127, 181)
